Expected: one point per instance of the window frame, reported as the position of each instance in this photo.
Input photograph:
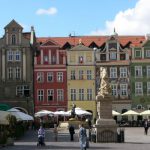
(50, 92)
(123, 72)
(138, 72)
(60, 95)
(124, 89)
(138, 88)
(113, 72)
(81, 94)
(40, 95)
(59, 76)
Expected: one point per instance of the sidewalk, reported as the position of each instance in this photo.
(134, 140)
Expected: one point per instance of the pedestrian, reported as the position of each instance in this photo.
(82, 137)
(55, 132)
(146, 126)
(72, 132)
(41, 136)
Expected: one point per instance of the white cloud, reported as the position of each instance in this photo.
(135, 21)
(50, 11)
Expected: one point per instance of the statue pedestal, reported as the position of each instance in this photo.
(106, 127)
(106, 130)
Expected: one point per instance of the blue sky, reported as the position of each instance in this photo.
(79, 17)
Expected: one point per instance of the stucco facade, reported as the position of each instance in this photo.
(16, 68)
(81, 78)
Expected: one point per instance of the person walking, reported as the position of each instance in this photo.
(146, 126)
(55, 132)
(72, 132)
(82, 137)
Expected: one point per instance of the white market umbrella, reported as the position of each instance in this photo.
(146, 112)
(80, 112)
(130, 113)
(43, 113)
(115, 113)
(61, 113)
(20, 116)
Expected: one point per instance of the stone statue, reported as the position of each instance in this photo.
(73, 113)
(105, 87)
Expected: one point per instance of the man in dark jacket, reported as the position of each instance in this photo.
(72, 132)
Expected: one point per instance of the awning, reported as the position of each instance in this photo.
(4, 107)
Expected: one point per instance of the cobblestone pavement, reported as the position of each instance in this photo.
(134, 140)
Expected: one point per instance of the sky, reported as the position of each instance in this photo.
(59, 18)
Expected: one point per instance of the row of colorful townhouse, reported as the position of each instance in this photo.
(66, 70)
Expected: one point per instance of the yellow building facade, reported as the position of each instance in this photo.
(81, 78)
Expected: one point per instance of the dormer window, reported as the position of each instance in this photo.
(113, 55)
(112, 45)
(13, 39)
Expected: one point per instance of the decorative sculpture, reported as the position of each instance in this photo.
(73, 113)
(105, 87)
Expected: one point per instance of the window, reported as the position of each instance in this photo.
(138, 71)
(81, 74)
(59, 76)
(113, 72)
(148, 88)
(18, 56)
(10, 73)
(13, 39)
(89, 74)
(60, 95)
(10, 55)
(138, 88)
(112, 45)
(18, 73)
(80, 59)
(73, 94)
(50, 77)
(123, 89)
(53, 59)
(138, 53)
(113, 55)
(147, 53)
(40, 95)
(89, 94)
(114, 89)
(123, 72)
(45, 58)
(81, 94)
(148, 71)
(73, 76)
(40, 77)
(50, 95)
(23, 90)
(122, 56)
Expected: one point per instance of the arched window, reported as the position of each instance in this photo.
(13, 39)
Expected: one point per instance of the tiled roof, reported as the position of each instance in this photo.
(99, 40)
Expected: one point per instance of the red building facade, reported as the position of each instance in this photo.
(50, 77)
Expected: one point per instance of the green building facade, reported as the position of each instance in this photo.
(140, 76)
